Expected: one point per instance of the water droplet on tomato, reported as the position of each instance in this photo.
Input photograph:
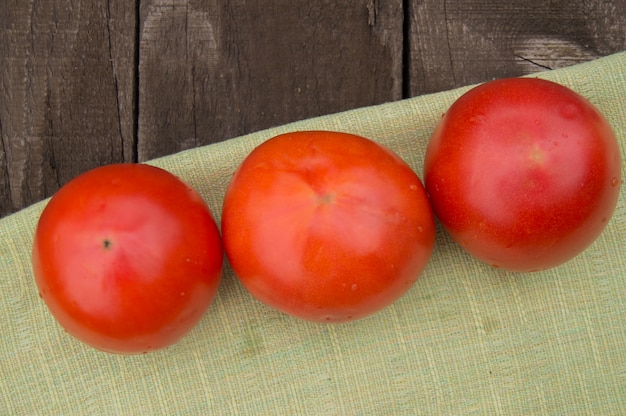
(615, 182)
(603, 219)
(354, 286)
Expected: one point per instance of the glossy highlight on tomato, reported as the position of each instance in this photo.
(127, 257)
(523, 173)
(326, 226)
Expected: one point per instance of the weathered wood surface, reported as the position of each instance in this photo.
(89, 83)
(229, 68)
(455, 42)
(67, 78)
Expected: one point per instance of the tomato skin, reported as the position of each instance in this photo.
(326, 226)
(127, 258)
(523, 173)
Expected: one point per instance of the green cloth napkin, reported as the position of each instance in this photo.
(466, 339)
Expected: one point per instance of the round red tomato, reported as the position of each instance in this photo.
(127, 258)
(326, 226)
(523, 173)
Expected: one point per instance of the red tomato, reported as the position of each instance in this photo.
(127, 258)
(523, 173)
(326, 226)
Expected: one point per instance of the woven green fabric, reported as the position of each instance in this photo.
(466, 339)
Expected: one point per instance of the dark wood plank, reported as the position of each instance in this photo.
(212, 70)
(456, 42)
(67, 87)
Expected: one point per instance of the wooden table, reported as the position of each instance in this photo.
(85, 83)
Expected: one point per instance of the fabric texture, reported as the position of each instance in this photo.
(466, 339)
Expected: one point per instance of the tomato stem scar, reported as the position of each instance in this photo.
(326, 198)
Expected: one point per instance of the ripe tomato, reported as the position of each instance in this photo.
(523, 173)
(127, 258)
(326, 226)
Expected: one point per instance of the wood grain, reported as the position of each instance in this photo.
(66, 82)
(212, 70)
(452, 43)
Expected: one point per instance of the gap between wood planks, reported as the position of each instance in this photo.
(373, 10)
(135, 147)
